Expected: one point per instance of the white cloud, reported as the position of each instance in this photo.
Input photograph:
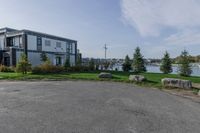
(184, 38)
(152, 17)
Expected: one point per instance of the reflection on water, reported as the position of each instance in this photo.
(156, 69)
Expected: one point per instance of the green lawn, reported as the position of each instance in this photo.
(153, 79)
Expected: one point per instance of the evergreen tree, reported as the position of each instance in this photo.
(91, 64)
(43, 57)
(138, 64)
(184, 64)
(79, 60)
(166, 64)
(23, 64)
(67, 63)
(127, 64)
(97, 66)
(106, 65)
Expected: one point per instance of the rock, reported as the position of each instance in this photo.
(137, 78)
(178, 83)
(105, 75)
(199, 93)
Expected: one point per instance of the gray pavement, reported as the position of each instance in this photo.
(93, 107)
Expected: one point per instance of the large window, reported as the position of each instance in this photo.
(70, 48)
(47, 43)
(58, 44)
(39, 43)
(58, 61)
(20, 42)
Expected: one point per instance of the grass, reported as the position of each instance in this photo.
(153, 79)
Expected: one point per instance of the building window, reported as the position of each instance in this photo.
(70, 48)
(47, 43)
(20, 42)
(39, 43)
(58, 44)
(58, 61)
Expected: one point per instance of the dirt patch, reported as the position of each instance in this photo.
(190, 94)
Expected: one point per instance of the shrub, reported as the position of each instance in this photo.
(23, 65)
(78, 69)
(47, 68)
(6, 69)
(67, 63)
(92, 64)
(43, 57)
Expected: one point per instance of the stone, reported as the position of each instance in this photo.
(199, 93)
(137, 78)
(178, 83)
(105, 75)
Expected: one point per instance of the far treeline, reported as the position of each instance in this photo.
(193, 59)
(137, 64)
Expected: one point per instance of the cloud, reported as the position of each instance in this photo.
(184, 38)
(153, 17)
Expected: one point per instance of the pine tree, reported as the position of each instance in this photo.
(138, 64)
(79, 61)
(67, 63)
(166, 64)
(127, 64)
(184, 64)
(43, 57)
(23, 64)
(91, 64)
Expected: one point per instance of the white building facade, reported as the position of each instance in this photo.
(15, 42)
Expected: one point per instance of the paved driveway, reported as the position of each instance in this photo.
(93, 107)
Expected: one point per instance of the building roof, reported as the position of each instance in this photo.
(6, 29)
(13, 32)
(47, 35)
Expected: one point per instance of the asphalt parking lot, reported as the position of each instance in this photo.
(93, 107)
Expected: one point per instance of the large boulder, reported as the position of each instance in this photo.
(199, 93)
(105, 75)
(178, 83)
(137, 78)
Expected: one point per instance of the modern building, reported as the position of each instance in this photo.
(14, 42)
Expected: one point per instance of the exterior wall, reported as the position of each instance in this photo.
(73, 48)
(17, 41)
(32, 42)
(27, 42)
(2, 41)
(34, 57)
(18, 54)
(72, 60)
(52, 47)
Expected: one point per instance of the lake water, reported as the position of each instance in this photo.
(156, 69)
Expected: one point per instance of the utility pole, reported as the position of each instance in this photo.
(105, 48)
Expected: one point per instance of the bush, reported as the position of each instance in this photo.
(47, 68)
(23, 65)
(78, 69)
(6, 69)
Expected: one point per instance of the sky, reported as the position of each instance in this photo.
(153, 25)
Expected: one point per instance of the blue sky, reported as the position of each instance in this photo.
(155, 26)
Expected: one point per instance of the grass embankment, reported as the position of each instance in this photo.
(153, 79)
